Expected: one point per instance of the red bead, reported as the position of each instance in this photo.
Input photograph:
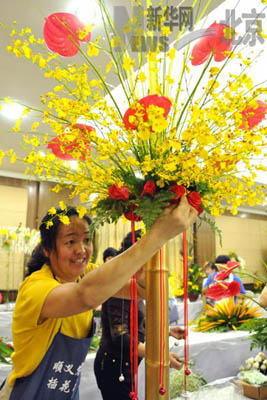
(187, 371)
(131, 395)
(162, 391)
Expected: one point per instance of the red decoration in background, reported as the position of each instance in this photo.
(162, 390)
(1, 298)
(152, 99)
(253, 116)
(60, 30)
(214, 42)
(223, 290)
(63, 148)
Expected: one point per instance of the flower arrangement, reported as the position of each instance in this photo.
(195, 278)
(146, 144)
(227, 315)
(258, 363)
(194, 382)
(18, 239)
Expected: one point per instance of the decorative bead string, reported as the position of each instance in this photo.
(134, 330)
(162, 390)
(186, 352)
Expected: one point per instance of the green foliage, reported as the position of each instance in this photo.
(5, 352)
(95, 344)
(193, 382)
(258, 328)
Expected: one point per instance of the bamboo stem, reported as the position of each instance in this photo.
(153, 330)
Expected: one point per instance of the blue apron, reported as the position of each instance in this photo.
(57, 377)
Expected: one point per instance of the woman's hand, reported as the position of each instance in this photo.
(174, 220)
(177, 332)
(174, 361)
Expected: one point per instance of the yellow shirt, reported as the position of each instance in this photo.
(31, 341)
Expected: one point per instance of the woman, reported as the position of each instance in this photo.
(52, 320)
(112, 365)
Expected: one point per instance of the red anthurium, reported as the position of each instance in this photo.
(149, 188)
(152, 99)
(214, 41)
(179, 190)
(60, 30)
(118, 193)
(224, 290)
(64, 148)
(231, 265)
(131, 216)
(253, 116)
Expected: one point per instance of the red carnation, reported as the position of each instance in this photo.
(214, 42)
(253, 116)
(152, 99)
(118, 193)
(179, 190)
(61, 30)
(64, 148)
(222, 291)
(149, 188)
(194, 199)
(231, 265)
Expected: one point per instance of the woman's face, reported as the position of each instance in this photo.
(73, 250)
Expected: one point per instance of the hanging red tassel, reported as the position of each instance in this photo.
(134, 330)
(186, 348)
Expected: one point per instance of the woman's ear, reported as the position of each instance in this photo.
(46, 253)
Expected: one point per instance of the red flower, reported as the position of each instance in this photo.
(194, 199)
(64, 148)
(231, 265)
(60, 29)
(1, 298)
(149, 188)
(118, 193)
(131, 216)
(253, 116)
(152, 99)
(219, 292)
(214, 42)
(179, 190)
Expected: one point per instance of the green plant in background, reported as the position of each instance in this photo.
(193, 382)
(6, 349)
(258, 328)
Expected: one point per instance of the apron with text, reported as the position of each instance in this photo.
(57, 377)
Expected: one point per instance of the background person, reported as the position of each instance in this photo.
(109, 253)
(52, 320)
(112, 365)
(221, 262)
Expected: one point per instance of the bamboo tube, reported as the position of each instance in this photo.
(153, 330)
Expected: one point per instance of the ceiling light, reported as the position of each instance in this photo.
(12, 110)
(87, 11)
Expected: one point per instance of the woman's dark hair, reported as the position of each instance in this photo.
(49, 235)
(212, 266)
(127, 241)
(222, 259)
(109, 252)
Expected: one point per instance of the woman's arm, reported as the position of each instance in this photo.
(103, 282)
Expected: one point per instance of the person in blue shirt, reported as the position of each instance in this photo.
(221, 261)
